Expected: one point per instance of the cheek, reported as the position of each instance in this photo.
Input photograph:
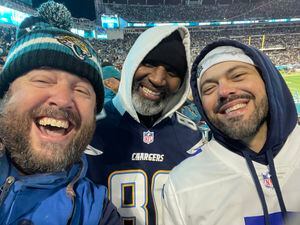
(25, 101)
(139, 74)
(174, 84)
(208, 104)
(256, 85)
(86, 109)
(262, 89)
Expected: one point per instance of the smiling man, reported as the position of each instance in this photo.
(142, 136)
(249, 172)
(51, 90)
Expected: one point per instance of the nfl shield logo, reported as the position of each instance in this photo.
(148, 137)
(267, 180)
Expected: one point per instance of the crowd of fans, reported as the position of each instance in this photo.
(236, 11)
(7, 37)
(114, 51)
(282, 44)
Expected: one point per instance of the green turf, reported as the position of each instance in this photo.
(293, 81)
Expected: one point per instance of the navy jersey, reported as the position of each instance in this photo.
(136, 160)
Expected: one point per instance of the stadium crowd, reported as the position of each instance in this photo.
(7, 37)
(281, 44)
(238, 10)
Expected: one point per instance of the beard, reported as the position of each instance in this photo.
(15, 136)
(238, 129)
(145, 106)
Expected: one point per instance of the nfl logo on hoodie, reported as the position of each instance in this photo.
(267, 180)
(148, 137)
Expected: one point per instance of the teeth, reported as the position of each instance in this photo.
(235, 107)
(148, 91)
(54, 122)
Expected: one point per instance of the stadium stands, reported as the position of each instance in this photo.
(237, 11)
(280, 41)
(281, 44)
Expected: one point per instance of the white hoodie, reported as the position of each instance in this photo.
(147, 41)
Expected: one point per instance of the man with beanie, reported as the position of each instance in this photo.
(142, 136)
(51, 90)
(249, 172)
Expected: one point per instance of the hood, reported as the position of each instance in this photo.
(282, 116)
(142, 46)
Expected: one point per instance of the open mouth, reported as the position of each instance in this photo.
(233, 107)
(150, 94)
(54, 127)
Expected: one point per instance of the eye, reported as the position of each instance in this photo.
(238, 76)
(208, 89)
(172, 74)
(83, 90)
(148, 65)
(42, 81)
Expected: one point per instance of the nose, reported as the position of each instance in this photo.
(158, 76)
(62, 96)
(226, 88)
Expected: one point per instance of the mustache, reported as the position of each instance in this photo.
(223, 101)
(62, 113)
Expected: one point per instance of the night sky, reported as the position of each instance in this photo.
(78, 8)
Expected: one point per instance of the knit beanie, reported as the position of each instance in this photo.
(110, 71)
(46, 41)
(223, 54)
(171, 52)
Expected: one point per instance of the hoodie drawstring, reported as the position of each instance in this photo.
(276, 184)
(258, 187)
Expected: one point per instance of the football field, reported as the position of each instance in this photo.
(293, 81)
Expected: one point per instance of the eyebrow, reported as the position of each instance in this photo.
(230, 70)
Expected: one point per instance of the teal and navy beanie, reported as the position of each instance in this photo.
(46, 41)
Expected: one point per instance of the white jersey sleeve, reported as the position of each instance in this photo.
(171, 213)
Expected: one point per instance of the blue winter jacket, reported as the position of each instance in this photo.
(53, 198)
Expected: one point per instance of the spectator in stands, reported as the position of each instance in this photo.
(143, 137)
(190, 110)
(248, 173)
(111, 80)
(50, 90)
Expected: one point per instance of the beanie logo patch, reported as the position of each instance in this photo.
(78, 47)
